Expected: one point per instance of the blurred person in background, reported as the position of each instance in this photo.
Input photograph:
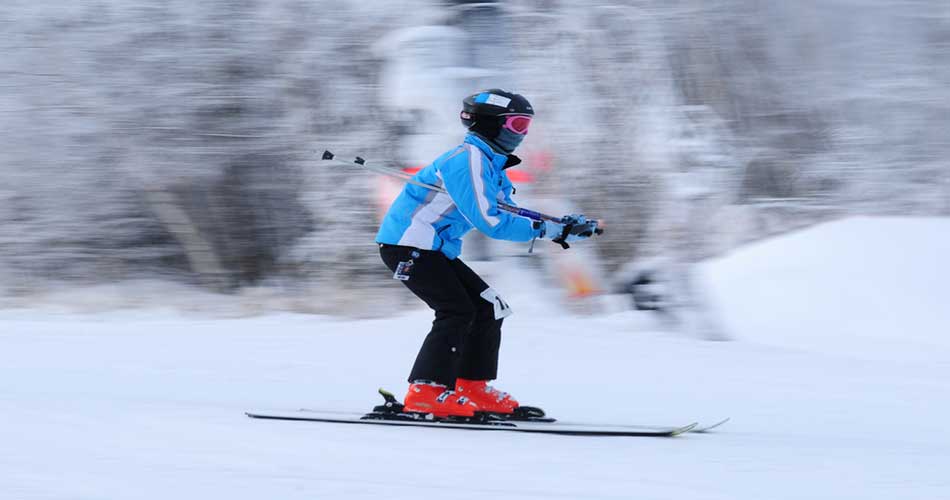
(420, 240)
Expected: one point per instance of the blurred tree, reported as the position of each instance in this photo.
(177, 138)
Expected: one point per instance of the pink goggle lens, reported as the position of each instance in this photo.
(518, 123)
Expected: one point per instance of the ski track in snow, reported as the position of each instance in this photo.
(149, 405)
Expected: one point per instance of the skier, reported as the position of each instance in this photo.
(420, 240)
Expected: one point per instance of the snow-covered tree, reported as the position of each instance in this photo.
(181, 139)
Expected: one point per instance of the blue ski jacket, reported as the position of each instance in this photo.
(474, 177)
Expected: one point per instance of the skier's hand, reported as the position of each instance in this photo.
(571, 228)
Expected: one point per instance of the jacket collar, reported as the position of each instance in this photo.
(498, 160)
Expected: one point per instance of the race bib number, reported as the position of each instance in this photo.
(403, 271)
(502, 309)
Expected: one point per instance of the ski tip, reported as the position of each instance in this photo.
(713, 426)
(684, 429)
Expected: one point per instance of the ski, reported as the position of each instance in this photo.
(698, 429)
(392, 408)
(485, 425)
(525, 419)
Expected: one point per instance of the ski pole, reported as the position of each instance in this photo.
(531, 214)
(405, 177)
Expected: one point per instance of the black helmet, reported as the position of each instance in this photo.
(484, 112)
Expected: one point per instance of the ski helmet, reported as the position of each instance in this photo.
(486, 111)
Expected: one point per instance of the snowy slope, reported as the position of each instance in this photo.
(866, 286)
(148, 405)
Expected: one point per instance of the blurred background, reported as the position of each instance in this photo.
(177, 143)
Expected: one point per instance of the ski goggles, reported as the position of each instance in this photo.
(517, 123)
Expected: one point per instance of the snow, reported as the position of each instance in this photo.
(864, 286)
(835, 385)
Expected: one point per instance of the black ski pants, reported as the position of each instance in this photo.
(465, 335)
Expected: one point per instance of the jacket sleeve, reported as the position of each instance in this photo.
(467, 178)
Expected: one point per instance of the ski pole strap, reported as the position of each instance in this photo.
(562, 238)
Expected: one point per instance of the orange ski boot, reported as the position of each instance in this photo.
(485, 396)
(438, 400)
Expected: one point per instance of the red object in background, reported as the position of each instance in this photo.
(521, 176)
(540, 161)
